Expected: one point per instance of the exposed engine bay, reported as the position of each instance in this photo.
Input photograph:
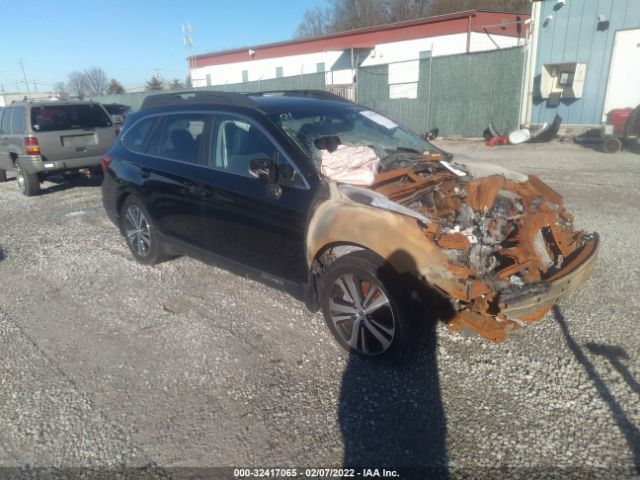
(506, 236)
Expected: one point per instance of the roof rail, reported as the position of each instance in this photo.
(43, 99)
(190, 97)
(319, 94)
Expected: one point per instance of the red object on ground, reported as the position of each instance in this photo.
(492, 142)
(618, 119)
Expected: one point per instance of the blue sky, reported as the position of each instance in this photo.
(131, 40)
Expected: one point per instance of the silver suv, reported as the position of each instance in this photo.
(38, 139)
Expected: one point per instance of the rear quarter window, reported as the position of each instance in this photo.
(6, 121)
(68, 117)
(17, 121)
(135, 138)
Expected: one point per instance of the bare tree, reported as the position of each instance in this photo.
(315, 22)
(96, 80)
(440, 7)
(343, 15)
(60, 91)
(77, 84)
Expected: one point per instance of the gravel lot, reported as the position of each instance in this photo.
(109, 363)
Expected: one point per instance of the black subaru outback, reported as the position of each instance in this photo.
(346, 209)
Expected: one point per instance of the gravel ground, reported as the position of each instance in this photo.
(108, 363)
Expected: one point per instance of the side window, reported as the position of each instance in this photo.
(6, 119)
(136, 137)
(17, 121)
(236, 143)
(181, 137)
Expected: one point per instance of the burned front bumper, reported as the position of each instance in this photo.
(531, 301)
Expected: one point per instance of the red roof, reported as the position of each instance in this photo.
(499, 23)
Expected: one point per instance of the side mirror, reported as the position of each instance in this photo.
(264, 169)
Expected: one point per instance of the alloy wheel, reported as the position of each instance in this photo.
(362, 314)
(137, 232)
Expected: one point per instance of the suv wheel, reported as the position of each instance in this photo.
(29, 183)
(361, 305)
(140, 233)
(3, 175)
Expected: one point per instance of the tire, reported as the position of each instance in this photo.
(3, 175)
(140, 233)
(29, 184)
(612, 145)
(385, 332)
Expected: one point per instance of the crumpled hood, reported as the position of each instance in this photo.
(497, 225)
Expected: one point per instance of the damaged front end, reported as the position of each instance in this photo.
(506, 238)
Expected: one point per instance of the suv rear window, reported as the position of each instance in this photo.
(68, 117)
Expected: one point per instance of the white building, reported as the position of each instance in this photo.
(339, 55)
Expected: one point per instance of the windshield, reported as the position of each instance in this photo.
(355, 126)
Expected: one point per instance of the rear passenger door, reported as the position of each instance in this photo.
(170, 170)
(246, 220)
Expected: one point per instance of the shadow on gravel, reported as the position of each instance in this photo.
(615, 354)
(628, 429)
(2, 255)
(393, 416)
(61, 184)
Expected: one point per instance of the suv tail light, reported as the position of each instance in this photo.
(118, 129)
(31, 146)
(106, 160)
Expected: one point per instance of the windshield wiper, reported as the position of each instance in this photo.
(403, 149)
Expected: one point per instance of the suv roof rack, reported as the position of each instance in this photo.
(190, 97)
(319, 94)
(52, 99)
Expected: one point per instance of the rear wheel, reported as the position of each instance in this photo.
(362, 305)
(3, 175)
(140, 233)
(29, 183)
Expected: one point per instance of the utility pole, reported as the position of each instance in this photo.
(187, 39)
(26, 82)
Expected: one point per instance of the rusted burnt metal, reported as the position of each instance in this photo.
(503, 247)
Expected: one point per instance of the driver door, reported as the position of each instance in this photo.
(244, 220)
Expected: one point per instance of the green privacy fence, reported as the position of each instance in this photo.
(459, 94)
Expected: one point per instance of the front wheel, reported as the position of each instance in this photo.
(361, 303)
(141, 234)
(3, 175)
(29, 184)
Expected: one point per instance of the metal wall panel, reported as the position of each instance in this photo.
(573, 34)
